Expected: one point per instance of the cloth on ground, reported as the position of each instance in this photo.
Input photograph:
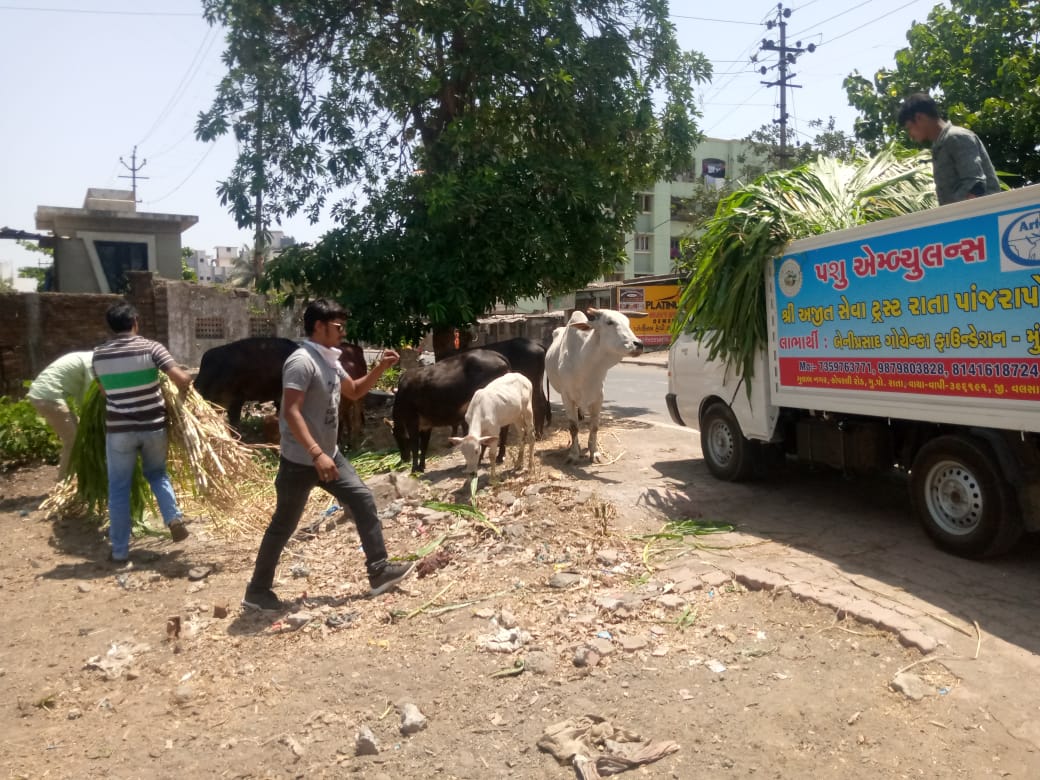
(596, 748)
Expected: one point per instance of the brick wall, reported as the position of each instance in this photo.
(37, 328)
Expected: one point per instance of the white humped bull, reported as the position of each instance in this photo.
(577, 362)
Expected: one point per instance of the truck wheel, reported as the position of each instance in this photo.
(728, 455)
(962, 500)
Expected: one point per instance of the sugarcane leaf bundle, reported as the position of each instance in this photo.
(85, 492)
(209, 462)
(723, 304)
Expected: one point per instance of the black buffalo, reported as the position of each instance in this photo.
(245, 370)
(438, 394)
(527, 357)
(251, 370)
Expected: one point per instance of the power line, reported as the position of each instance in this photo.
(189, 75)
(706, 19)
(184, 181)
(831, 18)
(97, 12)
(878, 19)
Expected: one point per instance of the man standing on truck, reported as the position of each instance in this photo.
(960, 163)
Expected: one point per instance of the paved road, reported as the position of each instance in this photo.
(636, 390)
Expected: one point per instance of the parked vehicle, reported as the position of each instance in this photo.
(912, 343)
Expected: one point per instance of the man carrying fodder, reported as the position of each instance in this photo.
(127, 368)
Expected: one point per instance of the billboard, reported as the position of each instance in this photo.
(660, 302)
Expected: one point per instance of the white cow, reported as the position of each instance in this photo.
(577, 363)
(505, 401)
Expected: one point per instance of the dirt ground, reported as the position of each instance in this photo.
(562, 609)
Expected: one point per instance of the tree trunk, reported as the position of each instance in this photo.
(443, 342)
(447, 341)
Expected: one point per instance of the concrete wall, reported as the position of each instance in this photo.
(207, 316)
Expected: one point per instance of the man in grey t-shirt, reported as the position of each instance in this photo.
(960, 163)
(312, 381)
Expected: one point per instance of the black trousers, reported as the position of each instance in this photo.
(293, 486)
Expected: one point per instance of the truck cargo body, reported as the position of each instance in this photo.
(913, 343)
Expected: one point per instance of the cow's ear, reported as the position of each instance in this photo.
(592, 313)
(487, 441)
(455, 440)
(388, 423)
(581, 325)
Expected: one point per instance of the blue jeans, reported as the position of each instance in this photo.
(293, 486)
(121, 451)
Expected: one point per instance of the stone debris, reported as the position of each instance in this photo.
(199, 573)
(586, 657)
(507, 619)
(910, 685)
(412, 720)
(365, 743)
(630, 644)
(293, 744)
(564, 579)
(539, 662)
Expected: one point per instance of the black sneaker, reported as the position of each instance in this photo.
(178, 530)
(120, 564)
(388, 576)
(264, 600)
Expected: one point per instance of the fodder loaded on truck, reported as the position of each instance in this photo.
(910, 342)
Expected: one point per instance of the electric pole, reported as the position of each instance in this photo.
(787, 55)
(133, 167)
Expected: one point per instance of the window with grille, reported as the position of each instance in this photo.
(644, 202)
(209, 327)
(261, 326)
(644, 242)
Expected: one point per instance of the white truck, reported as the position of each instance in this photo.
(911, 343)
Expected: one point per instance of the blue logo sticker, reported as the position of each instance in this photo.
(1020, 242)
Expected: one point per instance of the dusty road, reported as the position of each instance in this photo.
(853, 546)
(766, 651)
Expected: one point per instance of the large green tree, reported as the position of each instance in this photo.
(470, 151)
(980, 59)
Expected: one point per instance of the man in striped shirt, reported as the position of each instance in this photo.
(127, 367)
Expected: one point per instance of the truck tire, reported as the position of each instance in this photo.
(961, 498)
(728, 455)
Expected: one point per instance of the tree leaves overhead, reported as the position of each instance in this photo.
(980, 60)
(471, 151)
(724, 302)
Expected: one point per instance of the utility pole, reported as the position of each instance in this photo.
(133, 167)
(787, 55)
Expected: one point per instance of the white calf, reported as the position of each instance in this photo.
(503, 402)
(577, 363)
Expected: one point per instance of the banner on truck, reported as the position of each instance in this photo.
(660, 302)
(948, 309)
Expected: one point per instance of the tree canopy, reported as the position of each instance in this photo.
(470, 151)
(980, 60)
